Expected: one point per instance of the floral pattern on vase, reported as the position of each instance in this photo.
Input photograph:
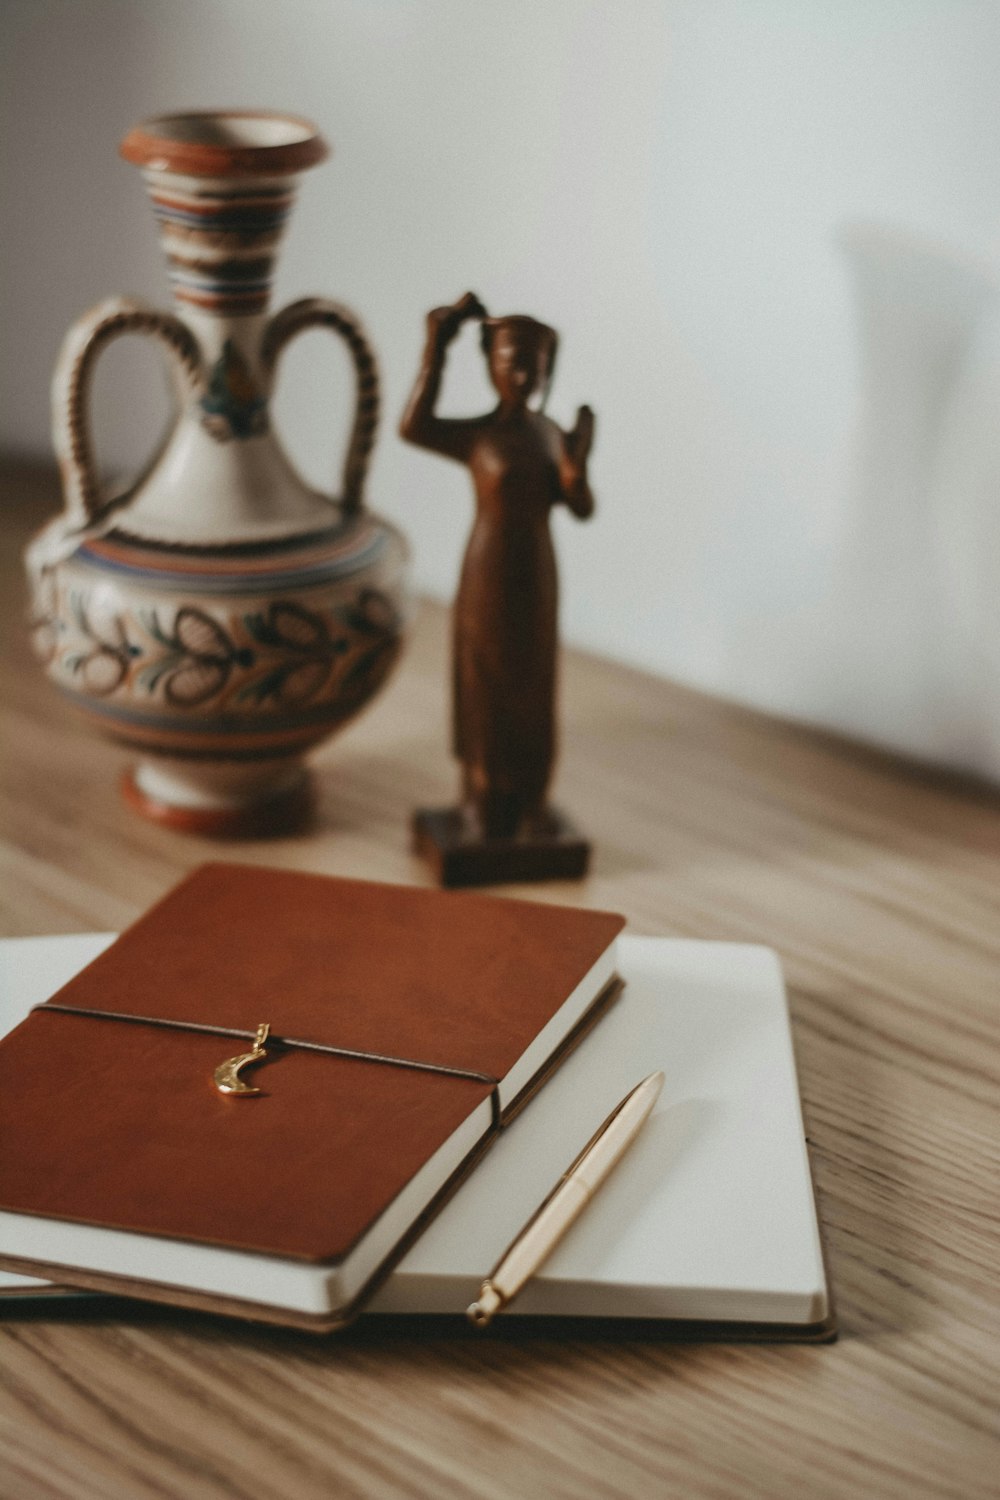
(268, 659)
(184, 650)
(233, 405)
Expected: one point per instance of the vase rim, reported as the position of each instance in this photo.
(225, 143)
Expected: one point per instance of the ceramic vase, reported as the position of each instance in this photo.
(219, 616)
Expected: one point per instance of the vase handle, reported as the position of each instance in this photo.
(85, 501)
(320, 312)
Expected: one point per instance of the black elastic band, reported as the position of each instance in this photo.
(287, 1041)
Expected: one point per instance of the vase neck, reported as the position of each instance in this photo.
(221, 237)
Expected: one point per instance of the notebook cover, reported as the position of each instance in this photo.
(117, 1124)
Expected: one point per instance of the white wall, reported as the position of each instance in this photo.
(662, 181)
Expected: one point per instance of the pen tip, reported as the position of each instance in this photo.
(487, 1303)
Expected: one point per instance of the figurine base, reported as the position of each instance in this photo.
(458, 858)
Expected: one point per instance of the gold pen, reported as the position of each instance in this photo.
(541, 1234)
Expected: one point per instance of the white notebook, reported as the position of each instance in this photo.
(709, 1218)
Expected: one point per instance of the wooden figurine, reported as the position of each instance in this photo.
(505, 636)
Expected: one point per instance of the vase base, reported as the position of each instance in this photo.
(261, 808)
(459, 858)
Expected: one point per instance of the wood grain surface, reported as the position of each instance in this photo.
(875, 880)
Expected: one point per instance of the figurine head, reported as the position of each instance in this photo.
(520, 354)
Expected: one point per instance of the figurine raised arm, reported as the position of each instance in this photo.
(505, 636)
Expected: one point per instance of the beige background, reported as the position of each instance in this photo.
(664, 181)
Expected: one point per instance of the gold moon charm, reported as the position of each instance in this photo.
(227, 1075)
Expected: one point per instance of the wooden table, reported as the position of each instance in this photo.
(876, 881)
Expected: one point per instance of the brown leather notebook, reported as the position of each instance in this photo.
(406, 1026)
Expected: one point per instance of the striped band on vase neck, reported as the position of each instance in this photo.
(221, 238)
